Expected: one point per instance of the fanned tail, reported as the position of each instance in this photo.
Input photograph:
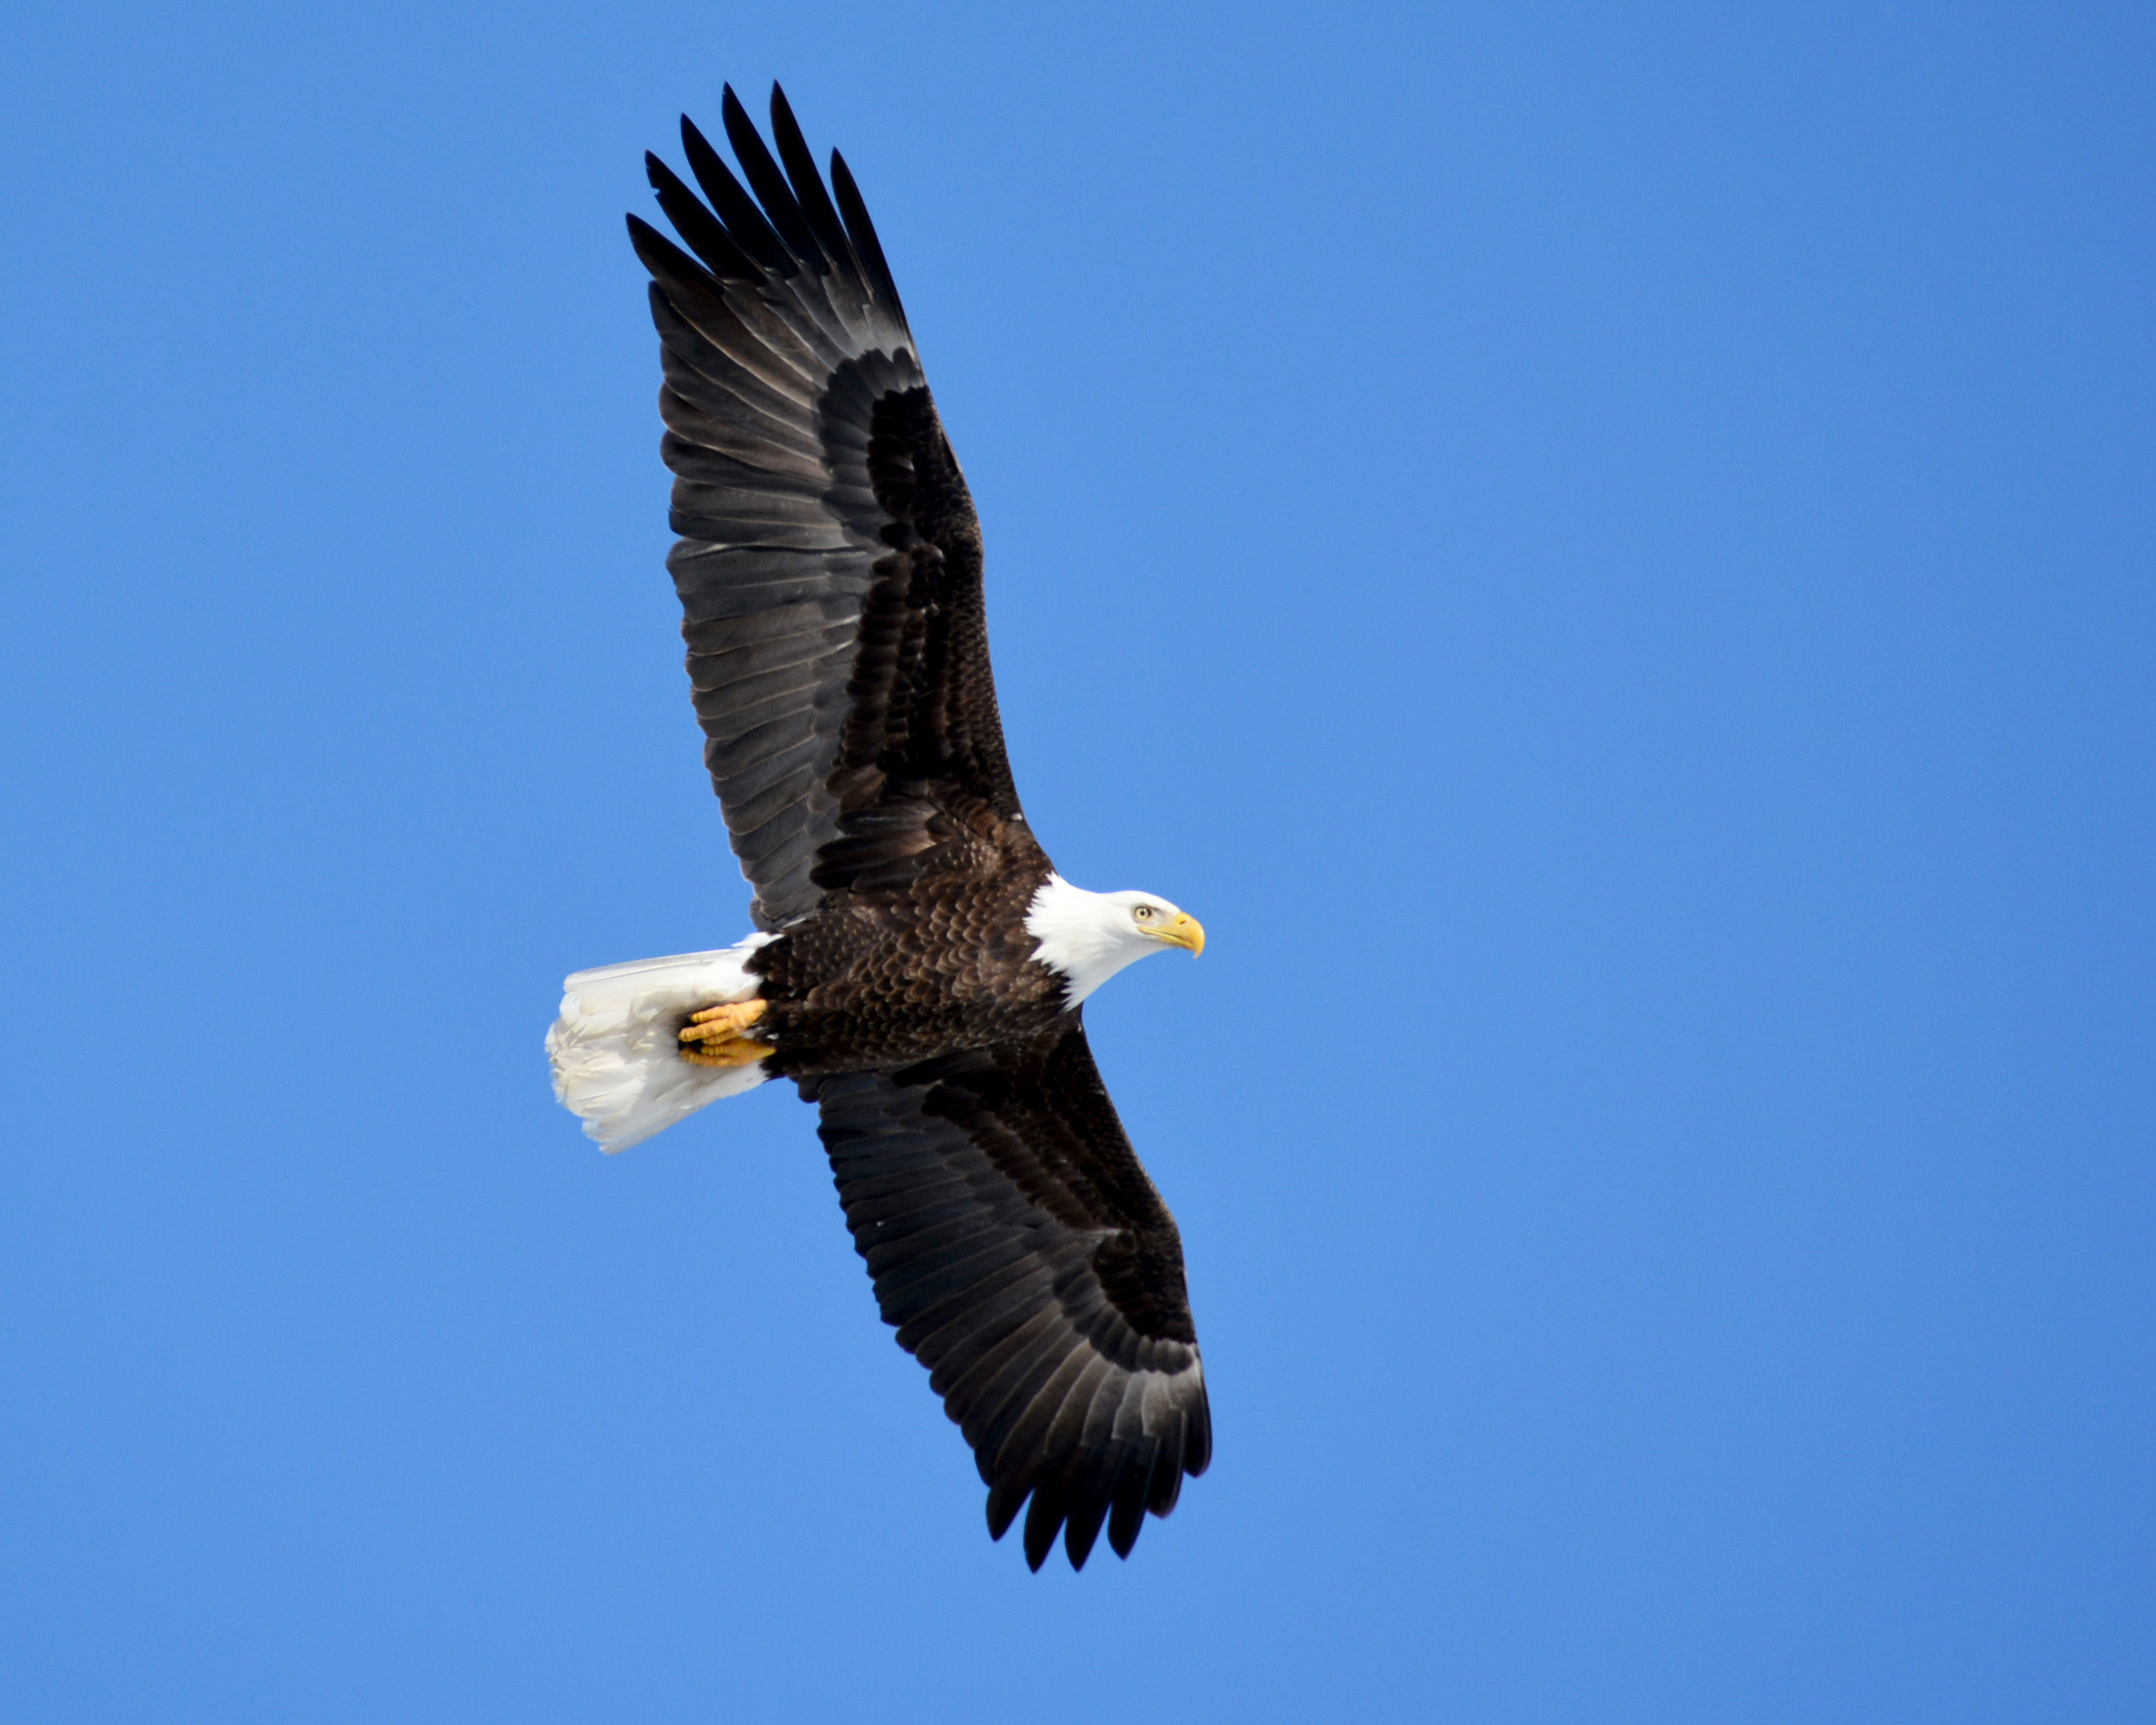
(615, 1051)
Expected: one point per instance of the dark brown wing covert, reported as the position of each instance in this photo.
(1027, 1262)
(829, 561)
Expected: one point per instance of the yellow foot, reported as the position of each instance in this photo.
(714, 1036)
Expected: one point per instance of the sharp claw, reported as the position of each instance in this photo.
(735, 1051)
(736, 1015)
(720, 1023)
(714, 1036)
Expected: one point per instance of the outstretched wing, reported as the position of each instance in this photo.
(829, 562)
(1028, 1263)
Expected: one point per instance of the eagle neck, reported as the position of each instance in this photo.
(1083, 937)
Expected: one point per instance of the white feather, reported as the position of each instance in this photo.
(615, 1048)
(1088, 937)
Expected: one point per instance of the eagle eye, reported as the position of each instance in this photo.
(1143, 913)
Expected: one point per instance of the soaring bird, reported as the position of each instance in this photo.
(919, 968)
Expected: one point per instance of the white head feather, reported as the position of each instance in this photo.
(1088, 937)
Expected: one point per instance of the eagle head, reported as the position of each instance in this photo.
(1088, 937)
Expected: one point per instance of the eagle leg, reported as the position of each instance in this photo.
(714, 1037)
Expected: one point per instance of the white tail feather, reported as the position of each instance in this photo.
(617, 1057)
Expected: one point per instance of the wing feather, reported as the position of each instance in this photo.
(1024, 1258)
(817, 505)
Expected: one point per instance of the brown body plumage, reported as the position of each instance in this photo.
(888, 978)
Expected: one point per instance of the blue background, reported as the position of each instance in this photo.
(1606, 552)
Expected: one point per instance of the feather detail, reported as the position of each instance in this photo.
(615, 1051)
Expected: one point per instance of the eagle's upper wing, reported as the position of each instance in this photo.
(1028, 1263)
(829, 562)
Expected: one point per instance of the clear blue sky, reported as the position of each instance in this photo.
(1607, 553)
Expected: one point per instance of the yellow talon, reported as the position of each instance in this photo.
(713, 1037)
(716, 1023)
(740, 1052)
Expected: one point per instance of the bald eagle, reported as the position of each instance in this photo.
(919, 968)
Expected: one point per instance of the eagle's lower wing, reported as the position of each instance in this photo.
(1028, 1263)
(829, 562)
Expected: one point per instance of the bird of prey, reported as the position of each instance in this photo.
(919, 968)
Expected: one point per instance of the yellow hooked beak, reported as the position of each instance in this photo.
(1186, 931)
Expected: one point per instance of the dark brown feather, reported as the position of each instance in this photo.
(1002, 1179)
(819, 506)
